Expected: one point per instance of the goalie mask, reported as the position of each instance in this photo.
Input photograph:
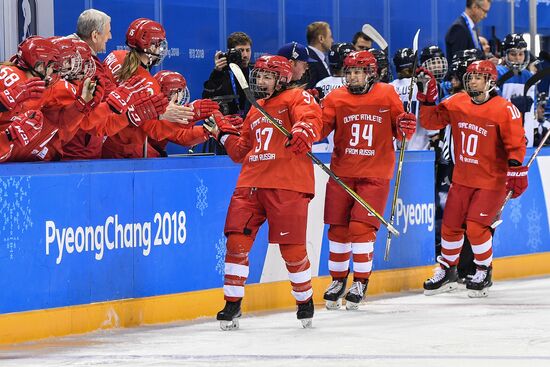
(480, 80)
(433, 59)
(39, 56)
(173, 85)
(270, 76)
(148, 37)
(515, 52)
(360, 72)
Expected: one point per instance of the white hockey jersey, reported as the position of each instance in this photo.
(327, 85)
(514, 87)
(421, 138)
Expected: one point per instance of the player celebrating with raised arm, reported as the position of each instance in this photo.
(365, 116)
(489, 147)
(276, 183)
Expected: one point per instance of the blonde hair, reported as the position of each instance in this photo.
(129, 66)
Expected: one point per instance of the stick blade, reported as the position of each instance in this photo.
(375, 36)
(415, 41)
(239, 75)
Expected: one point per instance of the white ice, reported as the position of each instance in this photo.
(509, 328)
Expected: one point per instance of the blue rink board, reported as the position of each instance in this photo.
(183, 202)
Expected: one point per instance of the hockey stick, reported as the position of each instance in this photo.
(497, 221)
(244, 85)
(535, 79)
(402, 150)
(373, 34)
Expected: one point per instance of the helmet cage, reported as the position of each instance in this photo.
(438, 66)
(371, 76)
(490, 85)
(257, 75)
(514, 65)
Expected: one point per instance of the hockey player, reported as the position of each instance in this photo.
(403, 61)
(336, 56)
(516, 59)
(489, 147)
(365, 116)
(383, 65)
(276, 183)
(148, 47)
(24, 79)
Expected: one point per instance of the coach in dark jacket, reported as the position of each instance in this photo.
(462, 34)
(319, 40)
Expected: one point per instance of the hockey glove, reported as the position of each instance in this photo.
(25, 127)
(84, 103)
(406, 125)
(124, 95)
(236, 121)
(146, 107)
(20, 92)
(203, 108)
(219, 125)
(517, 180)
(303, 136)
(427, 86)
(523, 103)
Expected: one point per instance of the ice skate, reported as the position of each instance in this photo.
(334, 294)
(305, 313)
(356, 294)
(444, 279)
(229, 316)
(478, 286)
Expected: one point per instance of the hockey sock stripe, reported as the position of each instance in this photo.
(236, 269)
(339, 248)
(300, 277)
(302, 296)
(341, 266)
(233, 291)
(362, 247)
(483, 247)
(362, 267)
(451, 245)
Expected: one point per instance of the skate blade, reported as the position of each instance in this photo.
(449, 287)
(352, 306)
(478, 294)
(307, 323)
(229, 325)
(333, 305)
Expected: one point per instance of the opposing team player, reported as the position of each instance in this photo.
(489, 148)
(365, 116)
(516, 59)
(383, 65)
(276, 183)
(336, 56)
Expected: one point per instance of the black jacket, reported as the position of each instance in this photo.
(458, 38)
(317, 70)
(219, 84)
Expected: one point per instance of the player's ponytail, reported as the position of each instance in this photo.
(129, 66)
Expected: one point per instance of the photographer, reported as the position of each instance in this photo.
(222, 83)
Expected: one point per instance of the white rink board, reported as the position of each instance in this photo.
(510, 328)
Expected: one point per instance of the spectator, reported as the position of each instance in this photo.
(298, 56)
(361, 41)
(319, 40)
(222, 83)
(462, 34)
(486, 48)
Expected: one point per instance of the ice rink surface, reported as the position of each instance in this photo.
(509, 328)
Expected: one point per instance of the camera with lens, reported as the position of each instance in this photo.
(233, 56)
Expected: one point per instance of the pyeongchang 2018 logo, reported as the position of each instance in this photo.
(26, 19)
